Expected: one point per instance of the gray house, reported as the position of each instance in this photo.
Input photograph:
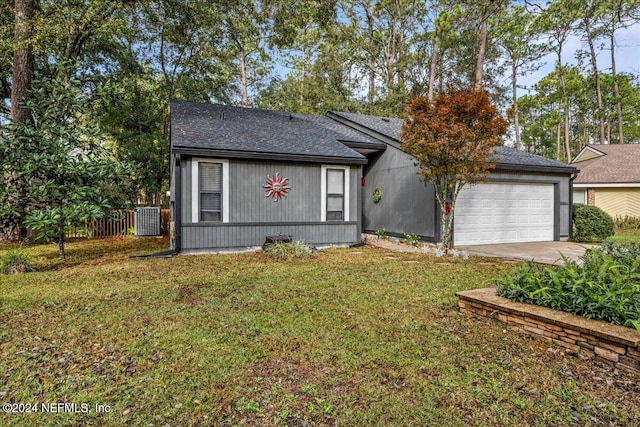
(527, 197)
(239, 175)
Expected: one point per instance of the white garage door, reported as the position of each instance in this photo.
(504, 213)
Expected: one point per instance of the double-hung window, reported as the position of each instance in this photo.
(210, 191)
(335, 194)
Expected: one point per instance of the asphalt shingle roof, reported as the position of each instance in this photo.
(515, 157)
(387, 126)
(619, 164)
(392, 127)
(236, 129)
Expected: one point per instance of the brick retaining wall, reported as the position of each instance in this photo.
(614, 344)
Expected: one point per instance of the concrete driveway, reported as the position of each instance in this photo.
(540, 252)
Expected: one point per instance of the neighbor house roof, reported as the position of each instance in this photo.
(389, 129)
(608, 164)
(203, 128)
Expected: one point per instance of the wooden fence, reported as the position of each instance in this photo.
(117, 223)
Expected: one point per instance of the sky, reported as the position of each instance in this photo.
(627, 56)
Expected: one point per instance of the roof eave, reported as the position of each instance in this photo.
(607, 184)
(537, 168)
(259, 155)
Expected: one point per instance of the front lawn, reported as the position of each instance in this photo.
(351, 337)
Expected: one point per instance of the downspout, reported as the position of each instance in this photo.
(575, 175)
(177, 170)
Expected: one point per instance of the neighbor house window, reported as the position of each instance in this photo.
(210, 190)
(335, 193)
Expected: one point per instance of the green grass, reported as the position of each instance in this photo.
(349, 337)
(626, 235)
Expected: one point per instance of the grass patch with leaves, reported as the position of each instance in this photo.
(350, 337)
(15, 261)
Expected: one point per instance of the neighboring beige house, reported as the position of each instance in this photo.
(609, 178)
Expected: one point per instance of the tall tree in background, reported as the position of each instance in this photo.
(521, 50)
(557, 22)
(590, 11)
(486, 9)
(452, 140)
(13, 204)
(618, 14)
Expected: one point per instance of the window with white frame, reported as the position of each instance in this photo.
(210, 190)
(335, 193)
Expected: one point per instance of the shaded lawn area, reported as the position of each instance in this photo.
(352, 337)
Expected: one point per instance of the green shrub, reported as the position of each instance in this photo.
(380, 234)
(591, 224)
(15, 261)
(289, 251)
(605, 287)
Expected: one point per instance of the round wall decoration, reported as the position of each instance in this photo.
(377, 195)
(276, 187)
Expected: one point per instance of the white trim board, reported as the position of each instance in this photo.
(195, 197)
(609, 185)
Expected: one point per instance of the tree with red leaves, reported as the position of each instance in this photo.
(452, 140)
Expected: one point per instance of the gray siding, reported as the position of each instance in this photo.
(407, 205)
(252, 216)
(241, 235)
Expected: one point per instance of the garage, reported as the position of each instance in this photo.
(504, 213)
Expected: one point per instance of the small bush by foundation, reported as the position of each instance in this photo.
(288, 251)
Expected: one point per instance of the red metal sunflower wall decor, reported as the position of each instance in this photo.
(276, 187)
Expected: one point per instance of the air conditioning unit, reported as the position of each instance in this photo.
(147, 222)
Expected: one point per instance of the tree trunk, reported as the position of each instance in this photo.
(616, 90)
(12, 225)
(567, 144)
(243, 78)
(61, 245)
(558, 141)
(596, 76)
(433, 65)
(303, 73)
(514, 94)
(22, 61)
(372, 57)
(61, 222)
(482, 47)
(565, 104)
